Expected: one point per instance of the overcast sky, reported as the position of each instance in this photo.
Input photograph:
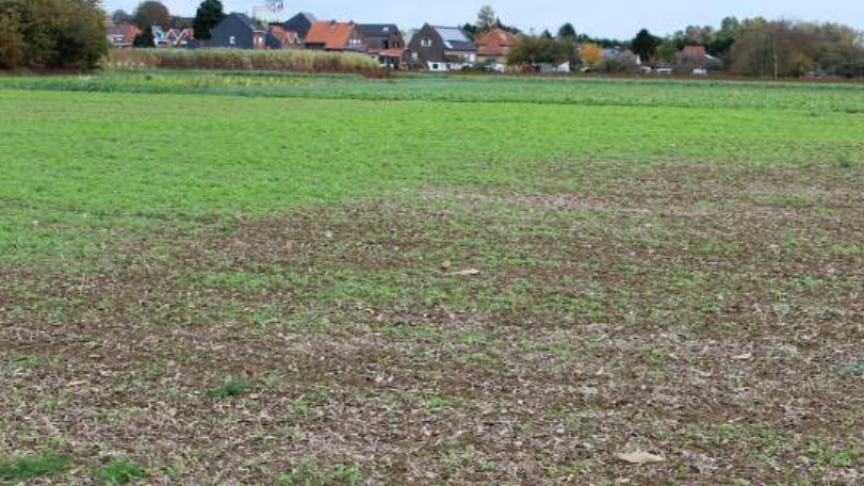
(621, 18)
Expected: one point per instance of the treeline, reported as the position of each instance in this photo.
(748, 47)
(781, 49)
(51, 34)
(758, 47)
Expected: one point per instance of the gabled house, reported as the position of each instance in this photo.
(280, 38)
(122, 35)
(385, 43)
(159, 36)
(695, 60)
(238, 31)
(335, 36)
(179, 37)
(494, 46)
(300, 23)
(439, 48)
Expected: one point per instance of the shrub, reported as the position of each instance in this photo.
(51, 34)
(231, 387)
(235, 59)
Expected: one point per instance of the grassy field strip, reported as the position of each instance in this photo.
(117, 159)
(813, 98)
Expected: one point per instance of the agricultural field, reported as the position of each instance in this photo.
(216, 278)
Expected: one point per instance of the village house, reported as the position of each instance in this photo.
(442, 49)
(385, 43)
(122, 35)
(300, 23)
(335, 36)
(694, 59)
(179, 37)
(238, 31)
(280, 38)
(494, 46)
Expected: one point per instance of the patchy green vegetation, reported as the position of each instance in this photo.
(15, 470)
(814, 100)
(310, 473)
(230, 388)
(423, 292)
(121, 471)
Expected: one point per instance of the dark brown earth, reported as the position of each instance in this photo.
(711, 315)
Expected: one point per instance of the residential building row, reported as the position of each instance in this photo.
(433, 48)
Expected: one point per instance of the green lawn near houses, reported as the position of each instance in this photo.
(430, 280)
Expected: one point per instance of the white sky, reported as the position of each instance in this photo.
(622, 18)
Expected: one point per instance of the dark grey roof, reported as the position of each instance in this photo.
(455, 38)
(253, 25)
(377, 30)
(307, 15)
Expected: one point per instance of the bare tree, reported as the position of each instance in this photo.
(486, 18)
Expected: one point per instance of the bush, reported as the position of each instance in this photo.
(234, 59)
(51, 34)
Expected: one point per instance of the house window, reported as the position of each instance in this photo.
(426, 43)
(232, 40)
(435, 67)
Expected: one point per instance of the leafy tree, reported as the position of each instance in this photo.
(209, 14)
(567, 31)
(645, 45)
(145, 39)
(546, 34)
(121, 17)
(486, 18)
(592, 54)
(152, 13)
(772, 49)
(11, 40)
(505, 27)
(472, 31)
(722, 41)
(538, 50)
(51, 34)
(622, 62)
(668, 51)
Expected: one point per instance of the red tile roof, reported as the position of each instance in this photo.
(694, 51)
(332, 35)
(496, 43)
(128, 31)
